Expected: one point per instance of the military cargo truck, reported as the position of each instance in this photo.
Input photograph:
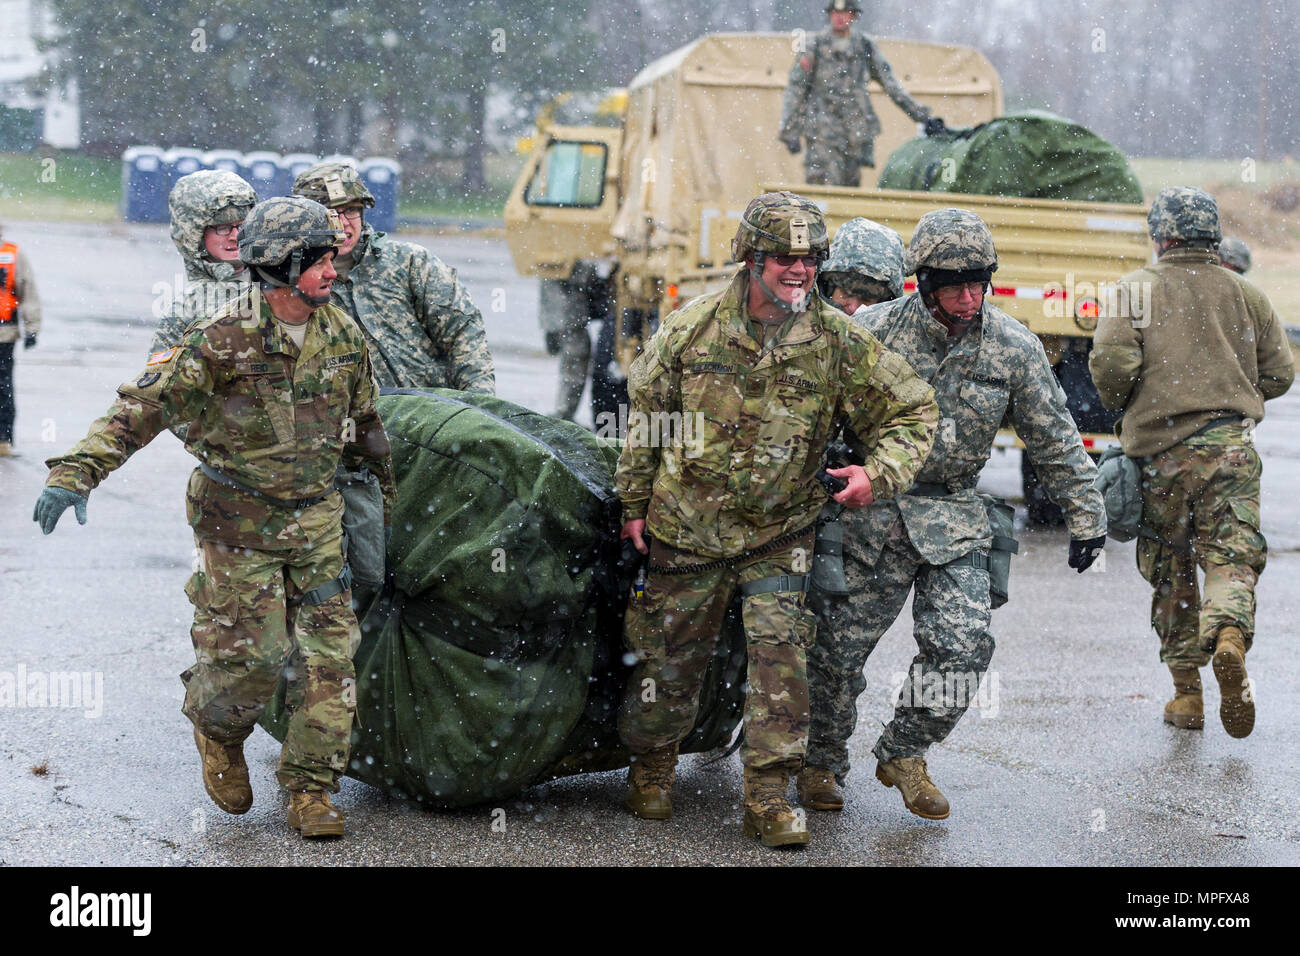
(642, 216)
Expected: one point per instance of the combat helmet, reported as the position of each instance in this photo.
(781, 224)
(1184, 214)
(1235, 254)
(209, 197)
(284, 236)
(868, 252)
(843, 6)
(332, 185)
(950, 246)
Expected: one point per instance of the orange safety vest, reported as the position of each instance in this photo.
(8, 266)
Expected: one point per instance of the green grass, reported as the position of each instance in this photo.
(437, 193)
(60, 186)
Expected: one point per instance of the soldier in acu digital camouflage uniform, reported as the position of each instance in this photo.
(1191, 374)
(761, 373)
(865, 266)
(826, 101)
(207, 210)
(1235, 255)
(422, 328)
(935, 536)
(280, 391)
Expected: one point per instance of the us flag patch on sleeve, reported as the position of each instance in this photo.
(159, 358)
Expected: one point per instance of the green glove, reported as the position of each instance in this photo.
(53, 502)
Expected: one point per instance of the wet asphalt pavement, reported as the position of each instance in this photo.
(1067, 761)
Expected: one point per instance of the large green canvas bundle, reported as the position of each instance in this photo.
(1033, 154)
(494, 657)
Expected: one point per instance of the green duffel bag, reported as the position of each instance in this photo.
(1003, 525)
(1119, 479)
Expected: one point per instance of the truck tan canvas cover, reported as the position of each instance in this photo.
(702, 122)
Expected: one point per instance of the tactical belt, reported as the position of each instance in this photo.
(316, 595)
(773, 545)
(780, 584)
(928, 489)
(294, 504)
(1230, 420)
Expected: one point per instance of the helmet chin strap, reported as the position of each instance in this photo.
(295, 272)
(790, 308)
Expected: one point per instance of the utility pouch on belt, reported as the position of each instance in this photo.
(828, 554)
(363, 524)
(1002, 523)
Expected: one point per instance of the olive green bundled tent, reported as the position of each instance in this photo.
(1033, 154)
(493, 659)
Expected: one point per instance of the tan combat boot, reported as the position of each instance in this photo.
(650, 783)
(6, 449)
(767, 812)
(312, 814)
(1187, 709)
(920, 795)
(1236, 697)
(818, 789)
(225, 775)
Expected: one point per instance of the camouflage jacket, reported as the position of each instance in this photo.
(826, 96)
(422, 328)
(754, 426)
(996, 371)
(264, 414)
(1206, 345)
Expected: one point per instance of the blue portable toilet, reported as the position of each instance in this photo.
(145, 185)
(291, 164)
(182, 162)
(261, 170)
(228, 159)
(382, 177)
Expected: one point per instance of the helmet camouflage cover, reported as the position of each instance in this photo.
(781, 223)
(333, 185)
(1235, 253)
(277, 228)
(867, 249)
(952, 240)
(843, 6)
(209, 197)
(1184, 212)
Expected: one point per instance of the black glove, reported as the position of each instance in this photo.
(792, 145)
(1083, 553)
(552, 343)
(29, 341)
(935, 126)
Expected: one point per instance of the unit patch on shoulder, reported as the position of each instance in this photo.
(160, 358)
(147, 379)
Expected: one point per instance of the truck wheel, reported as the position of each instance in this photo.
(1042, 510)
(608, 388)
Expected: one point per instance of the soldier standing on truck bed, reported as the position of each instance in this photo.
(768, 369)
(1191, 378)
(826, 101)
(936, 535)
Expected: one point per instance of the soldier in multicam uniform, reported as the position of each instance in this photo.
(865, 266)
(1191, 375)
(280, 391)
(422, 328)
(207, 209)
(1235, 255)
(826, 101)
(765, 370)
(985, 367)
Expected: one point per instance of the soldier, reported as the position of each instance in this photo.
(1191, 374)
(422, 328)
(826, 101)
(19, 304)
(1235, 255)
(984, 367)
(207, 209)
(566, 307)
(865, 266)
(280, 390)
(760, 373)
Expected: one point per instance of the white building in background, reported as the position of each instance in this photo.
(22, 24)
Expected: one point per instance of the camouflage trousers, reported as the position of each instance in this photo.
(1202, 494)
(246, 633)
(826, 162)
(950, 614)
(672, 630)
(575, 356)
